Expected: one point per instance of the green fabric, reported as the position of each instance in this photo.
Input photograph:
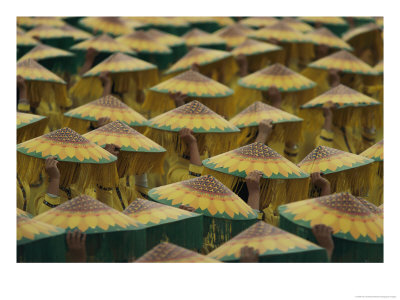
(51, 249)
(187, 233)
(178, 51)
(62, 43)
(172, 29)
(265, 88)
(162, 61)
(22, 50)
(209, 27)
(344, 250)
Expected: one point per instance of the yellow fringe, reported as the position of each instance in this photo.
(85, 90)
(211, 143)
(46, 91)
(260, 61)
(137, 163)
(31, 131)
(78, 125)
(158, 103)
(245, 97)
(228, 67)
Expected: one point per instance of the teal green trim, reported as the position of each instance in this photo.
(140, 149)
(344, 168)
(253, 124)
(243, 174)
(153, 194)
(362, 104)
(265, 88)
(229, 92)
(23, 150)
(55, 232)
(59, 81)
(344, 71)
(200, 64)
(37, 119)
(90, 118)
(152, 67)
(195, 130)
(114, 228)
(306, 224)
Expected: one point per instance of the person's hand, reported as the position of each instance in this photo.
(102, 121)
(91, 54)
(333, 77)
(253, 181)
(187, 208)
(178, 98)
(50, 166)
(249, 255)
(323, 235)
(318, 180)
(327, 110)
(264, 131)
(195, 67)
(187, 136)
(243, 64)
(76, 242)
(274, 96)
(21, 84)
(113, 149)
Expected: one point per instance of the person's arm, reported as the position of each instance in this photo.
(179, 98)
(107, 83)
(264, 131)
(89, 60)
(190, 140)
(249, 255)
(253, 186)
(54, 175)
(321, 183)
(243, 65)
(273, 96)
(323, 235)
(23, 102)
(326, 136)
(76, 242)
(333, 77)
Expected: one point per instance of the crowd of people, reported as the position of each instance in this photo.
(199, 139)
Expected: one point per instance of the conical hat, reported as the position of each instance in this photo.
(165, 38)
(123, 136)
(254, 157)
(349, 218)
(282, 77)
(233, 36)
(200, 56)
(37, 21)
(297, 25)
(194, 116)
(259, 21)
(371, 207)
(198, 38)
(67, 146)
(141, 41)
(110, 25)
(379, 68)
(258, 111)
(89, 216)
(24, 119)
(374, 152)
(76, 33)
(323, 36)
(252, 47)
(207, 196)
(134, 24)
(246, 29)
(267, 240)
(47, 32)
(325, 20)
(107, 107)
(152, 213)
(166, 21)
(170, 253)
(44, 52)
(379, 21)
(31, 70)
(224, 21)
(193, 84)
(342, 96)
(329, 160)
(22, 213)
(352, 33)
(119, 63)
(30, 230)
(25, 40)
(103, 43)
(343, 61)
(280, 32)
(196, 20)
